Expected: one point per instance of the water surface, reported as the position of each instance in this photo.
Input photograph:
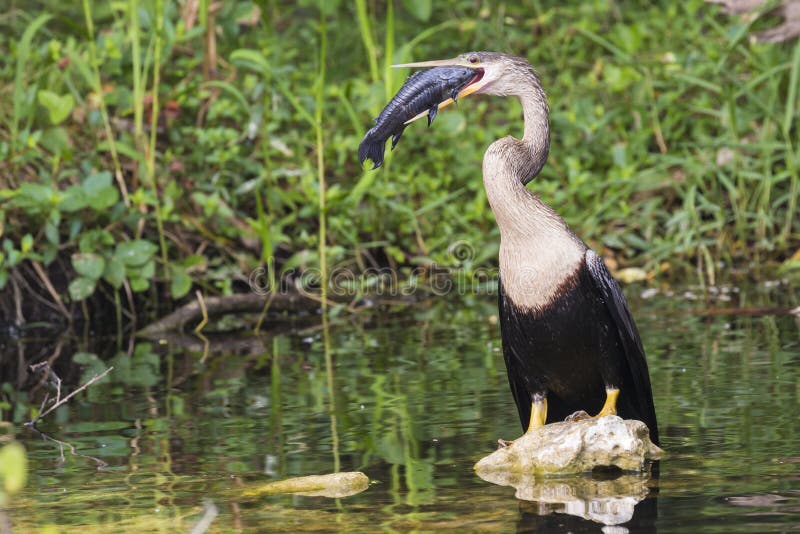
(418, 396)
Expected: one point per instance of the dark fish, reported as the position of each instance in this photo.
(423, 91)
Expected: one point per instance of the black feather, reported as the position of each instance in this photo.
(639, 396)
(570, 350)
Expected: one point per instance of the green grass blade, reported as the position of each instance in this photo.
(23, 53)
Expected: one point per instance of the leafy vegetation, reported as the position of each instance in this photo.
(152, 147)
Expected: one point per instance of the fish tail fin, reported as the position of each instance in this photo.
(372, 150)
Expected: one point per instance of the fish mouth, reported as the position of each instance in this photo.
(474, 85)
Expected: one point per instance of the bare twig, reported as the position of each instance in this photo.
(50, 289)
(60, 401)
(46, 368)
(203, 310)
(20, 319)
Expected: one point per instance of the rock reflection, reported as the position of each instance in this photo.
(608, 501)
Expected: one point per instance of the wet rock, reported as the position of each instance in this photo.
(333, 485)
(574, 447)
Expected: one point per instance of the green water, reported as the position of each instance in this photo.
(418, 397)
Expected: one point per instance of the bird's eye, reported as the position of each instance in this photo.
(473, 59)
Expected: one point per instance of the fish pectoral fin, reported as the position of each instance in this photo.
(432, 113)
(396, 136)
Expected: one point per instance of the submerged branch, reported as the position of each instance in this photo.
(255, 303)
(216, 306)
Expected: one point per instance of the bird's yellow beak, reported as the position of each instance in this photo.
(476, 85)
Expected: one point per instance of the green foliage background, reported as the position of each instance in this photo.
(675, 139)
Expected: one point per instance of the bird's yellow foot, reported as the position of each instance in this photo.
(610, 406)
(538, 413)
(538, 418)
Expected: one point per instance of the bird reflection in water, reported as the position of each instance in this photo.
(621, 502)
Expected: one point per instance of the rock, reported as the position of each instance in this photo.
(333, 485)
(574, 447)
(609, 502)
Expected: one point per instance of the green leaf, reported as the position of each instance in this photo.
(55, 140)
(230, 89)
(95, 240)
(51, 233)
(250, 59)
(81, 287)
(104, 199)
(115, 272)
(58, 107)
(89, 265)
(49, 253)
(420, 9)
(84, 358)
(13, 467)
(96, 182)
(181, 282)
(135, 253)
(27, 243)
(148, 270)
(194, 260)
(34, 198)
(73, 199)
(100, 193)
(139, 284)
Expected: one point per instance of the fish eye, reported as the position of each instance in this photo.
(474, 58)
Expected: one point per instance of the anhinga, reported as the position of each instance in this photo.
(569, 341)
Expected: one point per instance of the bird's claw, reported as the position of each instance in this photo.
(502, 443)
(580, 415)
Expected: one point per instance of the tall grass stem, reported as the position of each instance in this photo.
(98, 88)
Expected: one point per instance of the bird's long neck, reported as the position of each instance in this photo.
(536, 140)
(510, 163)
(538, 251)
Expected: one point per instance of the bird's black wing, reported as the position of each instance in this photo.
(515, 371)
(611, 294)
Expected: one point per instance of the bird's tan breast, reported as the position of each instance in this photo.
(535, 269)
